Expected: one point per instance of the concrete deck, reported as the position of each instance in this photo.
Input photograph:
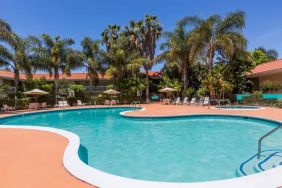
(32, 159)
(170, 110)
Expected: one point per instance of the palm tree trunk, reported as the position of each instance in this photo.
(16, 81)
(56, 80)
(184, 77)
(211, 56)
(148, 87)
(90, 85)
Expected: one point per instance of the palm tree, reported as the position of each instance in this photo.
(93, 60)
(178, 51)
(121, 57)
(144, 35)
(217, 35)
(56, 55)
(18, 57)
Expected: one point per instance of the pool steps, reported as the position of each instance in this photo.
(269, 159)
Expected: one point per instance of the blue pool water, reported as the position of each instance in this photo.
(183, 149)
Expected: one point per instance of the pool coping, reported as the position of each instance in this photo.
(258, 108)
(86, 173)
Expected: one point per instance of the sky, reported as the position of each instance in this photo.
(78, 18)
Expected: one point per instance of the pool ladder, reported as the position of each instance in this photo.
(134, 104)
(223, 100)
(264, 136)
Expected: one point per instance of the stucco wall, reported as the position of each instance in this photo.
(272, 77)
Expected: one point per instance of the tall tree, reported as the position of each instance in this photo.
(93, 60)
(56, 56)
(121, 57)
(219, 36)
(178, 50)
(262, 55)
(15, 54)
(144, 35)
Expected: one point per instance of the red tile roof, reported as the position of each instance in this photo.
(267, 68)
(74, 76)
(9, 75)
(154, 73)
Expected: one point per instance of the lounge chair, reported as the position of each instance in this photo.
(79, 103)
(185, 101)
(193, 101)
(178, 101)
(60, 104)
(201, 101)
(6, 108)
(33, 106)
(206, 101)
(107, 102)
(113, 102)
(43, 105)
(65, 103)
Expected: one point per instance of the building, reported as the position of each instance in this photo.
(270, 71)
(7, 78)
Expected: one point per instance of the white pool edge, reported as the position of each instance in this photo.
(270, 178)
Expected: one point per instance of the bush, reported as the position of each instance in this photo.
(203, 91)
(271, 86)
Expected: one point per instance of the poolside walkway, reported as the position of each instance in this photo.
(33, 159)
(170, 110)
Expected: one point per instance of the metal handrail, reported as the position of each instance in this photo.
(137, 102)
(222, 100)
(211, 100)
(134, 104)
(264, 136)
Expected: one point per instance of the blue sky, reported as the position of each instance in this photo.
(79, 18)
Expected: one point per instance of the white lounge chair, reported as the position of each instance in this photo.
(65, 103)
(79, 103)
(201, 101)
(193, 101)
(206, 101)
(107, 102)
(178, 101)
(6, 108)
(33, 106)
(185, 101)
(43, 105)
(60, 104)
(113, 102)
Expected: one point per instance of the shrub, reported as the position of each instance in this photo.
(203, 91)
(271, 86)
(255, 99)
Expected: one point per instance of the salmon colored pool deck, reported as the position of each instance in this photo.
(33, 159)
(170, 110)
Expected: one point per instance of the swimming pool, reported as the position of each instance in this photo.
(180, 149)
(239, 107)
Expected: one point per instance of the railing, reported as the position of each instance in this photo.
(94, 103)
(223, 100)
(134, 104)
(264, 136)
(212, 100)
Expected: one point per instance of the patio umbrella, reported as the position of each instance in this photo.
(111, 92)
(167, 90)
(36, 93)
